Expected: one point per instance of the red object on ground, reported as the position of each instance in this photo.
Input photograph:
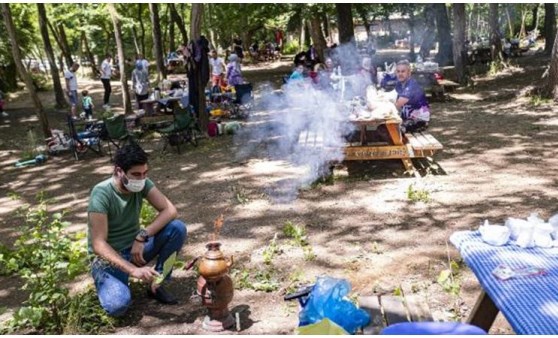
(438, 76)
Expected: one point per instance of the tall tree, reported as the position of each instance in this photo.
(179, 22)
(121, 58)
(459, 51)
(429, 35)
(535, 17)
(345, 22)
(495, 35)
(142, 28)
(157, 41)
(445, 45)
(549, 27)
(64, 52)
(12, 35)
(65, 45)
(43, 26)
(362, 12)
(550, 86)
(196, 17)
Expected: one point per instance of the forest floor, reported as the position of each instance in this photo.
(499, 151)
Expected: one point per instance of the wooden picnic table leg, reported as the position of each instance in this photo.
(397, 139)
(484, 312)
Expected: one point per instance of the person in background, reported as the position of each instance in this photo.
(140, 83)
(234, 74)
(121, 247)
(71, 88)
(2, 112)
(145, 64)
(87, 104)
(106, 74)
(411, 100)
(217, 68)
(297, 75)
(238, 50)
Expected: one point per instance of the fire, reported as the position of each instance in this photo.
(217, 225)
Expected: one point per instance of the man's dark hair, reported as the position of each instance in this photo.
(130, 155)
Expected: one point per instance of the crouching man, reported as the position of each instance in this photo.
(123, 249)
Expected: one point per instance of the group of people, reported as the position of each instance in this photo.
(411, 99)
(222, 74)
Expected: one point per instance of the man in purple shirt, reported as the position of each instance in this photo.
(411, 100)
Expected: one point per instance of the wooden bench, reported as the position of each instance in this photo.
(423, 144)
(385, 310)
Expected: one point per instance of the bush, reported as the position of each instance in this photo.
(40, 81)
(46, 257)
(291, 47)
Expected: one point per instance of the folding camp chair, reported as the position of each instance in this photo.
(84, 140)
(184, 129)
(116, 132)
(244, 100)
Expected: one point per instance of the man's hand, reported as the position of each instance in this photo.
(137, 253)
(146, 274)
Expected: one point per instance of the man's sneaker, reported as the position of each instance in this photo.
(162, 296)
(4, 114)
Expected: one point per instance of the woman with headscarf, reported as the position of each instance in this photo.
(234, 75)
(140, 83)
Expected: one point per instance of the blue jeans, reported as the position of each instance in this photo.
(112, 283)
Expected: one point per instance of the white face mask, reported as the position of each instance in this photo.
(134, 185)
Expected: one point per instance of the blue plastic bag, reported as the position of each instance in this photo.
(327, 301)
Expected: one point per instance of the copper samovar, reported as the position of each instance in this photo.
(215, 287)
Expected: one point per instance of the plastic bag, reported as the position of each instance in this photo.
(494, 234)
(323, 327)
(327, 300)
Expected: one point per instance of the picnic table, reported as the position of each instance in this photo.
(398, 146)
(530, 304)
(152, 106)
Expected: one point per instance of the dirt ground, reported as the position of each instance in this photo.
(499, 151)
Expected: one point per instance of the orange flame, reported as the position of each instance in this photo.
(217, 224)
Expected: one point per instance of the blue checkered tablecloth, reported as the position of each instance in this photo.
(530, 304)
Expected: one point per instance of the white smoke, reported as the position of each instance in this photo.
(303, 125)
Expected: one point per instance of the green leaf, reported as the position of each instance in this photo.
(167, 267)
(444, 275)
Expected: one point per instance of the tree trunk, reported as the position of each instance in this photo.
(325, 22)
(412, 34)
(16, 54)
(445, 45)
(89, 53)
(459, 51)
(65, 45)
(345, 22)
(495, 35)
(510, 22)
(317, 37)
(551, 82)
(302, 35)
(172, 38)
(549, 27)
(121, 58)
(362, 13)
(58, 90)
(535, 16)
(179, 22)
(136, 39)
(196, 17)
(61, 44)
(157, 42)
(522, 32)
(429, 35)
(142, 29)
